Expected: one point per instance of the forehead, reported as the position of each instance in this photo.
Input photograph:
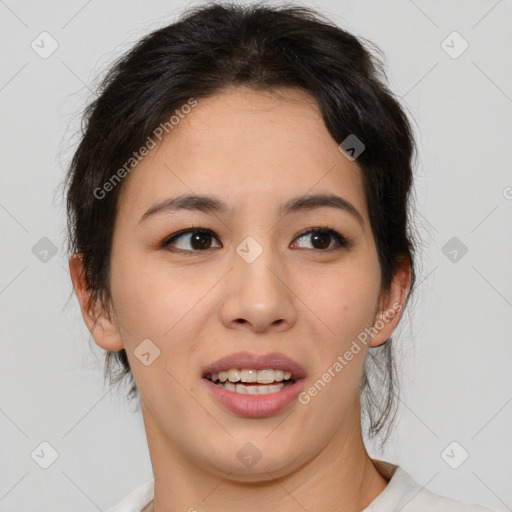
(248, 147)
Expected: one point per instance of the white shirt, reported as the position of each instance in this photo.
(402, 493)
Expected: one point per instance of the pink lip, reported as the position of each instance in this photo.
(241, 360)
(255, 406)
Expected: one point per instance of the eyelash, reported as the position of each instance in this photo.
(342, 241)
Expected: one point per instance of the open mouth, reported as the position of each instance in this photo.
(258, 387)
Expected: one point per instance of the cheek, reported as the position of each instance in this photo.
(170, 307)
(344, 298)
(154, 300)
(344, 306)
(160, 304)
(343, 301)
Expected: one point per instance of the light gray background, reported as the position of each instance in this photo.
(456, 345)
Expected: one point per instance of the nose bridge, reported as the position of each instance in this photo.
(254, 258)
(256, 251)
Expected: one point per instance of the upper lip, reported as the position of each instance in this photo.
(241, 360)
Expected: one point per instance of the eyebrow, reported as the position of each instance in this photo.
(212, 204)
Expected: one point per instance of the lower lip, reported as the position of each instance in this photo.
(255, 406)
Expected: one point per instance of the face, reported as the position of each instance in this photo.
(253, 279)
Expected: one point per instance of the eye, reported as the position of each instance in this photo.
(200, 239)
(323, 236)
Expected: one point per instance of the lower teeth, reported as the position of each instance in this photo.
(263, 389)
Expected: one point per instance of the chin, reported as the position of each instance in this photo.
(252, 461)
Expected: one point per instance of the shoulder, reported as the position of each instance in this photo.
(405, 494)
(419, 498)
(137, 500)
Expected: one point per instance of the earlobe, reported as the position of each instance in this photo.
(102, 328)
(391, 306)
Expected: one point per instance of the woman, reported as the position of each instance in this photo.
(239, 243)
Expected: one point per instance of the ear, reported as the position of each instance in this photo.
(391, 305)
(102, 328)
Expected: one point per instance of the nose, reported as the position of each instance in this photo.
(258, 293)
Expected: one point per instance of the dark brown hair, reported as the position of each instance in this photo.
(264, 47)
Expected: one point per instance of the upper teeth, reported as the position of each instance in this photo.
(260, 376)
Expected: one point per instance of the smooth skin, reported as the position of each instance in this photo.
(198, 300)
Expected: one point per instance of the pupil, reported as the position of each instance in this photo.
(200, 238)
(323, 237)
